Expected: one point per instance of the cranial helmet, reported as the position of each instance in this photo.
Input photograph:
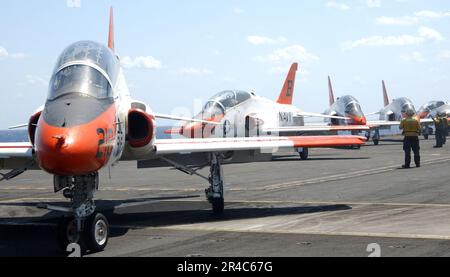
(410, 112)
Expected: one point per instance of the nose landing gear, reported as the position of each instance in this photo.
(81, 223)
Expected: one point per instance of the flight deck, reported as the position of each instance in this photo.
(336, 203)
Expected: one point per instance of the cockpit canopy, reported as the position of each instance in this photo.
(431, 106)
(86, 68)
(350, 105)
(229, 98)
(405, 104)
(223, 101)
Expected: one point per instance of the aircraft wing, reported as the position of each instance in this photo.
(174, 146)
(16, 150)
(318, 128)
(17, 157)
(306, 114)
(382, 123)
(426, 120)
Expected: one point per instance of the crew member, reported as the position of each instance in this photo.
(411, 131)
(444, 126)
(440, 124)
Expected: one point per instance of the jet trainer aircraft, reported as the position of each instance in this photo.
(90, 122)
(349, 107)
(394, 110)
(390, 115)
(431, 110)
(244, 114)
(346, 106)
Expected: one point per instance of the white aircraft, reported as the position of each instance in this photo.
(431, 110)
(244, 114)
(390, 115)
(90, 122)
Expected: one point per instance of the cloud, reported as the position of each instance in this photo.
(73, 3)
(403, 21)
(432, 14)
(4, 54)
(195, 71)
(411, 20)
(338, 6)
(146, 62)
(293, 53)
(445, 55)
(424, 34)
(377, 41)
(261, 40)
(429, 33)
(374, 3)
(413, 57)
(36, 80)
(238, 11)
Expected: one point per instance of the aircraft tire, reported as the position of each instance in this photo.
(67, 233)
(304, 154)
(376, 142)
(218, 205)
(96, 232)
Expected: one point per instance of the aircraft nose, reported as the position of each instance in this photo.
(68, 151)
(423, 114)
(359, 120)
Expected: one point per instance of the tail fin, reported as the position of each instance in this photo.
(111, 29)
(385, 95)
(330, 91)
(287, 92)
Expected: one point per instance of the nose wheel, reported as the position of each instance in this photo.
(82, 224)
(93, 236)
(67, 233)
(96, 232)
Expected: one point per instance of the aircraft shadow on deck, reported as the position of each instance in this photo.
(40, 239)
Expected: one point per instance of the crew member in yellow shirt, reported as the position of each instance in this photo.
(411, 131)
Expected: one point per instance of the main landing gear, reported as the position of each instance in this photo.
(81, 224)
(304, 153)
(375, 138)
(215, 192)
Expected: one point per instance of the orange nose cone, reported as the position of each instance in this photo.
(363, 121)
(423, 115)
(68, 151)
(359, 120)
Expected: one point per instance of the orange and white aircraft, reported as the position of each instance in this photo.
(390, 115)
(244, 114)
(90, 122)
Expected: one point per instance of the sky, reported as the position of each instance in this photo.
(177, 54)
